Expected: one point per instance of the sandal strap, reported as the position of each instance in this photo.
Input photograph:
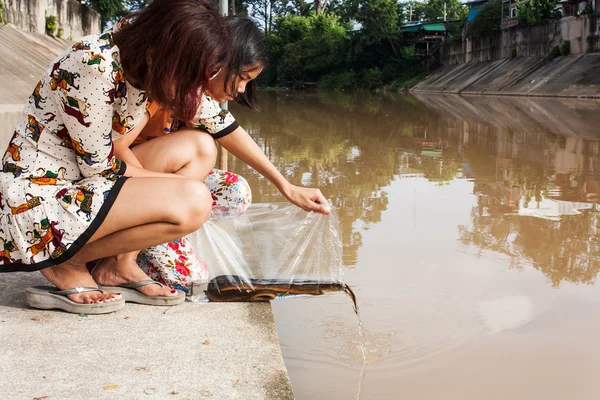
(139, 284)
(77, 290)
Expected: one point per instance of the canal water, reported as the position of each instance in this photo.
(471, 239)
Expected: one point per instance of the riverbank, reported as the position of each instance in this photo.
(568, 76)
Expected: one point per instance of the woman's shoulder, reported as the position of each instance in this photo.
(94, 56)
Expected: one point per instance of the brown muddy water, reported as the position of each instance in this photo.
(470, 230)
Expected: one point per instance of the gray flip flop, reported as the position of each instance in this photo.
(131, 294)
(49, 297)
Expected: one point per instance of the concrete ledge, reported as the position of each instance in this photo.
(571, 76)
(192, 351)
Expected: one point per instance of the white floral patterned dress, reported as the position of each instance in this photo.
(59, 175)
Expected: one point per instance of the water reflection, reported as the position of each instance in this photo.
(351, 146)
(528, 157)
(449, 208)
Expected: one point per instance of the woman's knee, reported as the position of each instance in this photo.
(206, 149)
(194, 205)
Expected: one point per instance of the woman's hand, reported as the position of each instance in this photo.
(308, 199)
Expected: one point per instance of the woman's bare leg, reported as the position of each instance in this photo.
(189, 152)
(148, 211)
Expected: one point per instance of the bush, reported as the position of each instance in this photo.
(339, 81)
(407, 83)
(371, 78)
(513, 52)
(565, 49)
(60, 32)
(2, 20)
(51, 24)
(555, 52)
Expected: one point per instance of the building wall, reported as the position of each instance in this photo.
(536, 40)
(74, 18)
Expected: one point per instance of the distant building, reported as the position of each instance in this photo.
(425, 36)
(509, 13)
(568, 8)
(571, 8)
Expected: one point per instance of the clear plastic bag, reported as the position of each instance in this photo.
(272, 250)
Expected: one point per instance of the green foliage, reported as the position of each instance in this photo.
(513, 52)
(555, 52)
(346, 80)
(51, 24)
(379, 20)
(455, 10)
(404, 11)
(565, 49)
(110, 9)
(303, 49)
(533, 11)
(2, 20)
(347, 45)
(488, 19)
(59, 33)
(371, 78)
(407, 83)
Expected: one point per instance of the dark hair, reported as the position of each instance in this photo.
(171, 48)
(248, 47)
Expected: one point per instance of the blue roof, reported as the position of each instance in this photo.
(473, 13)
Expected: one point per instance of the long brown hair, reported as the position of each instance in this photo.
(171, 48)
(248, 48)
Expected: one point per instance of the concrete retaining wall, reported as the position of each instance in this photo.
(536, 40)
(74, 18)
(570, 76)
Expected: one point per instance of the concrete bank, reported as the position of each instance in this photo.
(192, 351)
(570, 76)
(23, 58)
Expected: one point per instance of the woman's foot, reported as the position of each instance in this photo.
(69, 275)
(122, 269)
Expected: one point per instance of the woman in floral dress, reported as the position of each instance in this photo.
(65, 196)
(167, 144)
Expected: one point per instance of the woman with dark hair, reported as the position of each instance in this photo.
(65, 198)
(170, 145)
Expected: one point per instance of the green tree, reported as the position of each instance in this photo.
(109, 9)
(266, 11)
(299, 7)
(305, 48)
(379, 19)
(455, 10)
(488, 19)
(532, 11)
(410, 11)
(134, 5)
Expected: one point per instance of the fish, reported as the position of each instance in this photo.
(229, 288)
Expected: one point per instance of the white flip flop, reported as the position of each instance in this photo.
(130, 293)
(49, 297)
